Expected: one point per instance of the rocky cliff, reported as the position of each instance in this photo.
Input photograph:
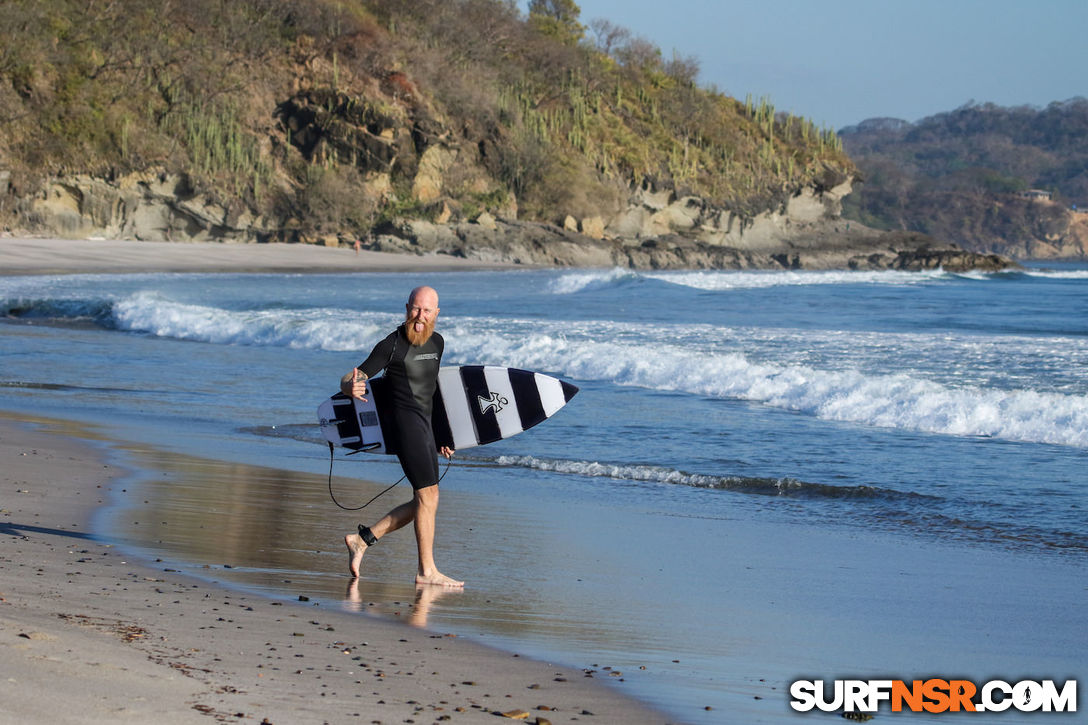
(1030, 229)
(655, 229)
(659, 231)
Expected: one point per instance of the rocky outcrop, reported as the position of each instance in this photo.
(656, 230)
(660, 231)
(1064, 236)
(151, 207)
(651, 214)
(532, 243)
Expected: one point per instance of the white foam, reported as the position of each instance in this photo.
(714, 281)
(1014, 388)
(573, 282)
(660, 474)
(623, 472)
(1058, 273)
(578, 281)
(902, 401)
(320, 329)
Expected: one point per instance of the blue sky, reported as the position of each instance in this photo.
(837, 62)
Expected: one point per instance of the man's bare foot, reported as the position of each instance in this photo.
(356, 548)
(438, 579)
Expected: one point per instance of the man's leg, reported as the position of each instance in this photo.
(400, 516)
(426, 500)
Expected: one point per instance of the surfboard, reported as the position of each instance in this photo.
(474, 405)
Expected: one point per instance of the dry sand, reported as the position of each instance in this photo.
(22, 255)
(88, 635)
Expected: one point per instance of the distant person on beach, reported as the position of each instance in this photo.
(410, 356)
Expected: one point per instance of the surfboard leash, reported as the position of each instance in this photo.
(332, 457)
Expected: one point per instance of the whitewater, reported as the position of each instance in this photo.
(1014, 387)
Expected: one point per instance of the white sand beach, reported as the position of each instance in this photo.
(88, 636)
(29, 255)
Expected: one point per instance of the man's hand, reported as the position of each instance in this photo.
(446, 451)
(354, 384)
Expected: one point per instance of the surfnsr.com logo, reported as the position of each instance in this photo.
(933, 695)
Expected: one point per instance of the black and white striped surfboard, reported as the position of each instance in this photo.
(474, 405)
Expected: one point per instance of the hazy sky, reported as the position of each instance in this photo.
(837, 62)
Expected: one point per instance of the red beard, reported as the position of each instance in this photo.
(418, 338)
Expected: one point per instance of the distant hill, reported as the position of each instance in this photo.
(965, 176)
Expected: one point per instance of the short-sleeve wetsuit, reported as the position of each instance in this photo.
(411, 373)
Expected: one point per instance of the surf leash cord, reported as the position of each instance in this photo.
(332, 457)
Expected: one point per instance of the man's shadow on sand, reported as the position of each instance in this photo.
(21, 530)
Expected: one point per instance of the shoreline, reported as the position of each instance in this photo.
(27, 255)
(132, 642)
(44, 256)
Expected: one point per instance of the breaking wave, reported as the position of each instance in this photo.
(658, 474)
(1012, 388)
(901, 508)
(573, 282)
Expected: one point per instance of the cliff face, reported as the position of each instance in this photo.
(654, 230)
(1030, 229)
(1075, 241)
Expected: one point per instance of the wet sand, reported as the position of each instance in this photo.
(89, 635)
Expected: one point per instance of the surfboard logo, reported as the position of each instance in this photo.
(494, 402)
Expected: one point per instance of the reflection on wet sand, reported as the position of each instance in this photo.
(276, 532)
(426, 597)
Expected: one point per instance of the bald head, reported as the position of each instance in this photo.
(428, 293)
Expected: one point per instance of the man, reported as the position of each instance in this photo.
(410, 357)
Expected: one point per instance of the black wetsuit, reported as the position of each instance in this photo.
(411, 375)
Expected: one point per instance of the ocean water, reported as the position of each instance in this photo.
(728, 424)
